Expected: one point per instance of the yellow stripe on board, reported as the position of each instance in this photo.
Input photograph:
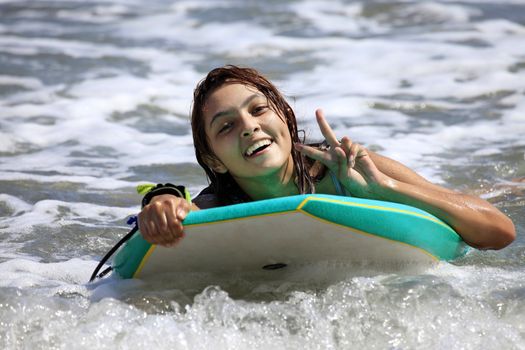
(433, 257)
(242, 218)
(350, 204)
(144, 260)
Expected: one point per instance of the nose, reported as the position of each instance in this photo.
(250, 126)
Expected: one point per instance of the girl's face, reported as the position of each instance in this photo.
(247, 136)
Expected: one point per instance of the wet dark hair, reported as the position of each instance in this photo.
(223, 185)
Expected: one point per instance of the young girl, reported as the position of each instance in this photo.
(246, 139)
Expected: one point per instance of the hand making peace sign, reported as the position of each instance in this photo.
(350, 161)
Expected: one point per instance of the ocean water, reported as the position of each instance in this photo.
(95, 97)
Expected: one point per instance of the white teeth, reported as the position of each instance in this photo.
(257, 145)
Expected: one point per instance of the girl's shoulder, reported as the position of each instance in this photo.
(229, 193)
(206, 199)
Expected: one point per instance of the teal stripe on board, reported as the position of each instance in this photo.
(236, 211)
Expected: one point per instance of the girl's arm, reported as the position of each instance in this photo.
(479, 223)
(400, 172)
(369, 175)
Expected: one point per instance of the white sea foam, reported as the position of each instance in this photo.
(28, 83)
(216, 319)
(336, 17)
(24, 273)
(16, 205)
(54, 213)
(97, 14)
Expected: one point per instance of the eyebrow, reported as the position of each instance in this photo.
(228, 111)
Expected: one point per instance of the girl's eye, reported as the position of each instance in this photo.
(225, 127)
(259, 109)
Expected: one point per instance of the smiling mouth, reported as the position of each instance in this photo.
(257, 147)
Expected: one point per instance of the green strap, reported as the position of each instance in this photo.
(145, 188)
(142, 189)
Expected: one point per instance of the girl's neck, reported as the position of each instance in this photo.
(279, 184)
(269, 190)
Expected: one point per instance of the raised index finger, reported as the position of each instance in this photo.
(326, 130)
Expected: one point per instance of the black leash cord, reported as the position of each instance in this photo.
(109, 254)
